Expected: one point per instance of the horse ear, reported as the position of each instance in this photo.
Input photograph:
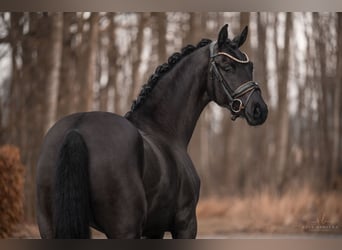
(223, 36)
(240, 39)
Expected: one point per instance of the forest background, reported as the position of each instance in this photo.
(55, 64)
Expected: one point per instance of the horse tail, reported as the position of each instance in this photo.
(72, 200)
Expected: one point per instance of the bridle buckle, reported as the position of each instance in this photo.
(236, 105)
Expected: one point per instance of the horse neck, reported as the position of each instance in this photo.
(177, 100)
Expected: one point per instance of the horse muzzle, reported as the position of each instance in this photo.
(256, 112)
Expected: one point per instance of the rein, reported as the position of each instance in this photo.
(234, 96)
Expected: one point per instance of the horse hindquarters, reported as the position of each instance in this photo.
(104, 174)
(72, 200)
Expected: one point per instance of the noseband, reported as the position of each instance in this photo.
(234, 96)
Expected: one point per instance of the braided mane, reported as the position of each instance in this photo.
(161, 70)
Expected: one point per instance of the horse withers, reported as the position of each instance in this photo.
(131, 177)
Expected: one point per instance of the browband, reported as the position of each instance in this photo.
(211, 48)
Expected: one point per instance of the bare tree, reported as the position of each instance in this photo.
(337, 129)
(55, 65)
(161, 20)
(67, 93)
(137, 45)
(283, 112)
(89, 70)
(244, 21)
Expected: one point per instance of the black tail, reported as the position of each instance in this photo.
(71, 208)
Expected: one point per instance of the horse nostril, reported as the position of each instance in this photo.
(257, 111)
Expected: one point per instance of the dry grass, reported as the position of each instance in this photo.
(299, 211)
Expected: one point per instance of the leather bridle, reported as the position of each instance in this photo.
(236, 104)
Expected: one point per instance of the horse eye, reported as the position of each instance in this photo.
(228, 68)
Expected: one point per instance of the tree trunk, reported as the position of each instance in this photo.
(67, 99)
(161, 19)
(323, 110)
(337, 127)
(244, 21)
(15, 102)
(193, 34)
(136, 56)
(31, 119)
(113, 66)
(87, 84)
(55, 65)
(283, 113)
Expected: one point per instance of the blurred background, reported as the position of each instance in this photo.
(283, 176)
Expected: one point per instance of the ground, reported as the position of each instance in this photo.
(295, 214)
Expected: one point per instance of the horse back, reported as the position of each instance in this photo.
(107, 136)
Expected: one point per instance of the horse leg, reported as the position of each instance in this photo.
(122, 223)
(44, 214)
(185, 226)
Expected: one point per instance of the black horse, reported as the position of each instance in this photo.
(131, 177)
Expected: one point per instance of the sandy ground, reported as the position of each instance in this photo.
(213, 228)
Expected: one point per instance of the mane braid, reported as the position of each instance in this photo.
(161, 70)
